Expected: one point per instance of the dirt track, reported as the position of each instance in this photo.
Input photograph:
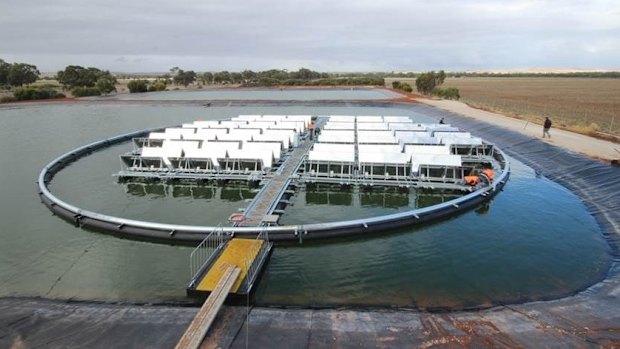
(575, 142)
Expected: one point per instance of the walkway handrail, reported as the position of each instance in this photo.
(253, 264)
(200, 256)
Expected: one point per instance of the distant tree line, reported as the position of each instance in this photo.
(608, 74)
(282, 77)
(249, 78)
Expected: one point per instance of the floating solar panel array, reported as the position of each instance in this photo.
(393, 147)
(244, 144)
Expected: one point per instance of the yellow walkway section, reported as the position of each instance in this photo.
(236, 252)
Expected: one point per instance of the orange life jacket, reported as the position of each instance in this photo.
(489, 173)
(472, 180)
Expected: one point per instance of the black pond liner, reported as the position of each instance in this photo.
(595, 182)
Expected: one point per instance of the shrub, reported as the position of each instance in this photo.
(8, 99)
(592, 129)
(158, 85)
(396, 84)
(405, 87)
(85, 91)
(447, 93)
(24, 94)
(106, 84)
(138, 86)
(31, 93)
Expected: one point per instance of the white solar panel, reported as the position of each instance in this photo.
(263, 155)
(232, 124)
(415, 137)
(173, 133)
(337, 136)
(210, 133)
(274, 147)
(331, 156)
(259, 124)
(453, 134)
(169, 149)
(434, 160)
(298, 126)
(157, 135)
(383, 158)
(274, 117)
(334, 147)
(206, 124)
(221, 145)
(206, 153)
(379, 126)
(339, 126)
(291, 135)
(376, 137)
(427, 149)
(406, 126)
(282, 139)
(306, 119)
(152, 152)
(461, 140)
(379, 148)
(245, 131)
(234, 137)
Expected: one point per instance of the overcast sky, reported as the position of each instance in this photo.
(324, 35)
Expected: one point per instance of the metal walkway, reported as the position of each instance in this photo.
(238, 252)
(267, 199)
(209, 259)
(222, 269)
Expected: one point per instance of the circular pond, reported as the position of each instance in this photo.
(535, 240)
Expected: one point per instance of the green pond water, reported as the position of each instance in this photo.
(535, 240)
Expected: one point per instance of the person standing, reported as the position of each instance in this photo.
(546, 127)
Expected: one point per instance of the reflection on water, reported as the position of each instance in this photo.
(373, 197)
(231, 192)
(326, 202)
(384, 199)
